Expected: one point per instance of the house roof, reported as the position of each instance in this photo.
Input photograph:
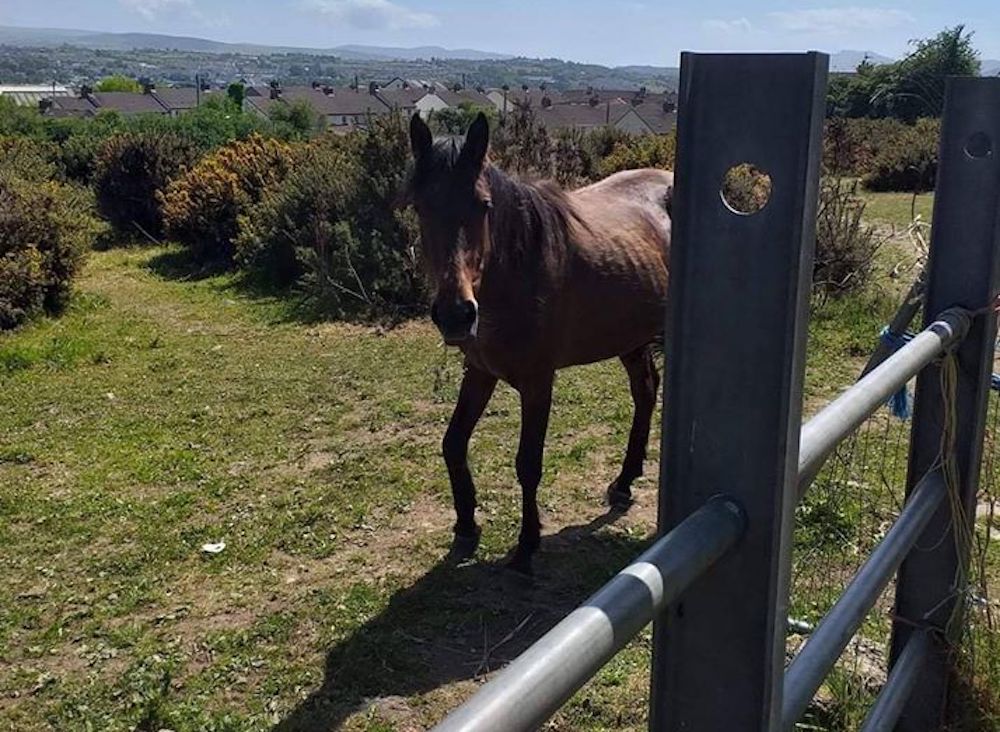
(578, 116)
(127, 102)
(658, 119)
(403, 98)
(71, 107)
(333, 101)
(180, 98)
(465, 96)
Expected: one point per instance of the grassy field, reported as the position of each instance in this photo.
(168, 410)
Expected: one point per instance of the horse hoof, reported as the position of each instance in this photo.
(464, 547)
(619, 499)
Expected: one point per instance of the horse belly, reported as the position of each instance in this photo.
(609, 314)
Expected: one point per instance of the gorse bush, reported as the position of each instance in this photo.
(201, 208)
(45, 228)
(132, 168)
(29, 159)
(332, 226)
(648, 151)
(907, 161)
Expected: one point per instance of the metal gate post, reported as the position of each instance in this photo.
(736, 333)
(963, 266)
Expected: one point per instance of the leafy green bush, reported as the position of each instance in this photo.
(332, 225)
(131, 168)
(45, 228)
(908, 160)
(201, 208)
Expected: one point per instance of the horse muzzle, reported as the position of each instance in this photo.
(458, 322)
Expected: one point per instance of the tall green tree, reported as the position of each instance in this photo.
(915, 86)
(910, 88)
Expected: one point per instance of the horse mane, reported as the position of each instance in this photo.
(529, 221)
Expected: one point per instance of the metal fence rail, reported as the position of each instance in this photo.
(540, 680)
(811, 666)
(822, 433)
(889, 706)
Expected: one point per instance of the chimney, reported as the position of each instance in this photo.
(86, 90)
(373, 88)
(275, 90)
(315, 84)
(669, 105)
(44, 105)
(546, 101)
(148, 87)
(328, 90)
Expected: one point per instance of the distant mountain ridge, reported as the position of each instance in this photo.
(847, 60)
(16, 36)
(840, 62)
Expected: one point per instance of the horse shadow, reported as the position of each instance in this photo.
(461, 621)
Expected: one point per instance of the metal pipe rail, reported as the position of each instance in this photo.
(827, 643)
(544, 677)
(889, 706)
(821, 434)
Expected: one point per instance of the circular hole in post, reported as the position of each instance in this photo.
(978, 145)
(746, 189)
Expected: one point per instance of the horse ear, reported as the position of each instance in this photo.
(477, 142)
(421, 140)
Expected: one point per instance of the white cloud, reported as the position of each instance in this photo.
(840, 20)
(739, 25)
(371, 14)
(149, 9)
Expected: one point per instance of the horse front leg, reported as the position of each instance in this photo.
(536, 402)
(474, 395)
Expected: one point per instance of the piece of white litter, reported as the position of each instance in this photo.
(213, 548)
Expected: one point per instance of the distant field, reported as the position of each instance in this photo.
(166, 411)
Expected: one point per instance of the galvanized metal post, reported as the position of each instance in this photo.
(963, 269)
(736, 322)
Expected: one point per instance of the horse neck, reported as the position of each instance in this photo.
(526, 226)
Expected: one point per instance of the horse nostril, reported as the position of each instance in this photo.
(434, 314)
(470, 311)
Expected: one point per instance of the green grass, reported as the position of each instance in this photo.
(163, 412)
(897, 208)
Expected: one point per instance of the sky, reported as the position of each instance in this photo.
(612, 32)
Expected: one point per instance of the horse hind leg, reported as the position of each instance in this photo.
(644, 381)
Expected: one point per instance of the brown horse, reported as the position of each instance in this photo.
(531, 279)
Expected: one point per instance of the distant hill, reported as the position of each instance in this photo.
(850, 60)
(14, 36)
(990, 67)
